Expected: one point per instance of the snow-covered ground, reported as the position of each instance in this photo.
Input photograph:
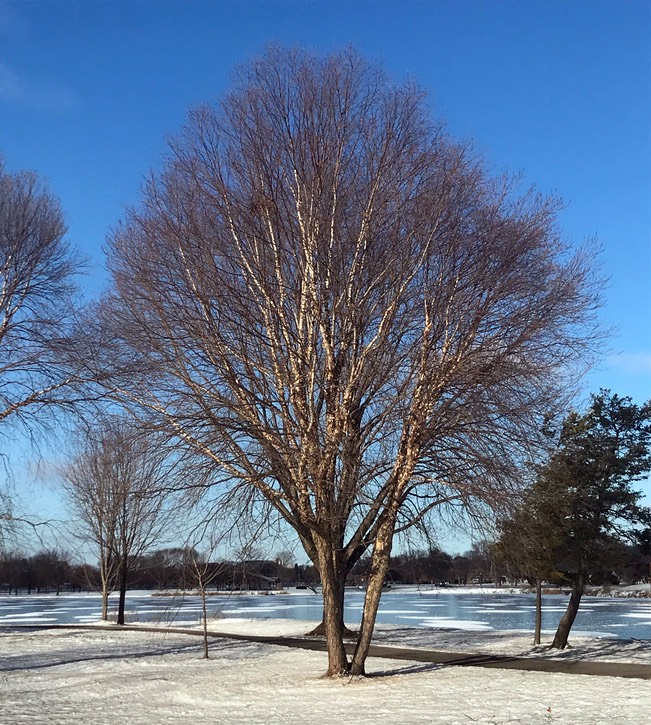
(114, 677)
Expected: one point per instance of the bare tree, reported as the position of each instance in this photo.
(333, 303)
(36, 286)
(37, 269)
(285, 558)
(202, 572)
(119, 488)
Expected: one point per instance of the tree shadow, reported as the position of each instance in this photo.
(471, 660)
(35, 661)
(600, 649)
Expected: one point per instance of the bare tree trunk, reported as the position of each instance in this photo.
(538, 627)
(567, 620)
(379, 568)
(204, 615)
(332, 585)
(105, 596)
(319, 630)
(106, 587)
(124, 572)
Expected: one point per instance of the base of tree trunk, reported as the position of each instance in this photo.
(319, 631)
(567, 620)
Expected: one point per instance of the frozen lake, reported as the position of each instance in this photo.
(622, 618)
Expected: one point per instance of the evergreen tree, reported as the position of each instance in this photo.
(601, 454)
(582, 509)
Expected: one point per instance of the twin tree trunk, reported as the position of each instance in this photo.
(567, 620)
(333, 581)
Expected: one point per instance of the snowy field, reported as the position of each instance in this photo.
(97, 676)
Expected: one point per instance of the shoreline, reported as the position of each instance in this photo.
(635, 591)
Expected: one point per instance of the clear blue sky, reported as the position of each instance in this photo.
(560, 91)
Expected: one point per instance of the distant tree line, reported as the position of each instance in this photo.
(163, 569)
(43, 573)
(483, 565)
(171, 569)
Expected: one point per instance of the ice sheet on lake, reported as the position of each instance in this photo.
(25, 619)
(243, 610)
(27, 615)
(450, 623)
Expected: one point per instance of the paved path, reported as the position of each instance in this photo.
(463, 659)
(412, 654)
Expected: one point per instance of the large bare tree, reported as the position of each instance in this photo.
(120, 488)
(332, 302)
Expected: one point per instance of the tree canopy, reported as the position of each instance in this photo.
(332, 302)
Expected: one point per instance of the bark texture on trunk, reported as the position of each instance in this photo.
(538, 628)
(105, 596)
(332, 587)
(567, 620)
(319, 630)
(379, 568)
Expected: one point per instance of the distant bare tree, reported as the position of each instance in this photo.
(285, 558)
(168, 566)
(331, 301)
(202, 571)
(119, 489)
(526, 545)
